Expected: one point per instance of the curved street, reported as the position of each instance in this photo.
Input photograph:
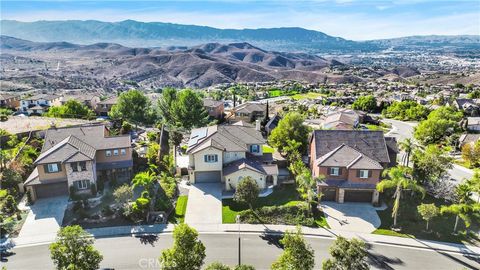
(257, 249)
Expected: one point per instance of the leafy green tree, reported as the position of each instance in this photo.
(365, 103)
(9, 205)
(290, 128)
(144, 179)
(189, 110)
(244, 267)
(427, 211)
(347, 255)
(463, 206)
(431, 163)
(188, 252)
(132, 106)
(74, 250)
(471, 154)
(398, 178)
(217, 266)
(166, 106)
(306, 185)
(474, 183)
(247, 191)
(4, 114)
(297, 254)
(439, 124)
(406, 110)
(71, 109)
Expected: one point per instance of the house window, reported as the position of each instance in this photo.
(363, 173)
(254, 148)
(83, 165)
(210, 158)
(335, 171)
(52, 168)
(74, 166)
(123, 151)
(108, 153)
(83, 184)
(115, 152)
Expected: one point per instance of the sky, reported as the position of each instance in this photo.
(351, 19)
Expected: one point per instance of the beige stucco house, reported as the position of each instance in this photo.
(228, 153)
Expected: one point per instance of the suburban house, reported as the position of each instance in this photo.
(351, 162)
(215, 108)
(38, 104)
(473, 124)
(272, 123)
(103, 107)
(9, 101)
(74, 158)
(468, 139)
(249, 112)
(468, 105)
(227, 153)
(344, 119)
(88, 100)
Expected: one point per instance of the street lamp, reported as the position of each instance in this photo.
(237, 219)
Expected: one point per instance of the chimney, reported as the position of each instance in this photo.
(257, 125)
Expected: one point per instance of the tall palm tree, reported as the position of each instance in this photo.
(463, 206)
(306, 185)
(399, 178)
(408, 146)
(144, 179)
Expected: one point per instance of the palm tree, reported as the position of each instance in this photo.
(306, 186)
(400, 179)
(144, 179)
(463, 206)
(408, 146)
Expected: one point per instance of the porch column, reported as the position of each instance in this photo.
(375, 197)
(341, 195)
(275, 180)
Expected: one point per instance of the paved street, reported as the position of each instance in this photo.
(204, 207)
(258, 250)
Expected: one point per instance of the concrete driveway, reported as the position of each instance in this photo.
(43, 221)
(354, 217)
(204, 207)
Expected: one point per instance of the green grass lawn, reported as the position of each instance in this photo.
(275, 93)
(309, 95)
(463, 163)
(180, 209)
(412, 225)
(285, 195)
(267, 149)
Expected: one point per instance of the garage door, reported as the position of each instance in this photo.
(208, 177)
(358, 196)
(51, 190)
(329, 194)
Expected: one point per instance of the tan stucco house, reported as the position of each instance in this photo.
(77, 157)
(228, 153)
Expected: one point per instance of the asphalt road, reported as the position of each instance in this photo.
(132, 253)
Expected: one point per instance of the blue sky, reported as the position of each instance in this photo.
(357, 20)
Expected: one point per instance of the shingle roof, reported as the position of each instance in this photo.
(5, 96)
(250, 107)
(251, 164)
(367, 142)
(208, 102)
(224, 137)
(69, 149)
(93, 135)
(42, 96)
(346, 156)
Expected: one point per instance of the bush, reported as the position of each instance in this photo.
(288, 215)
(93, 189)
(9, 205)
(100, 184)
(82, 213)
(162, 203)
(86, 205)
(107, 210)
(123, 194)
(168, 185)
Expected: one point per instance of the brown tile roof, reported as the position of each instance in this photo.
(208, 102)
(251, 164)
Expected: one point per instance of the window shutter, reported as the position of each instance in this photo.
(329, 170)
(358, 173)
(45, 168)
(216, 158)
(339, 171)
(369, 173)
(205, 158)
(59, 167)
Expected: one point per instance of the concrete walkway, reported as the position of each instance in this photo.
(353, 217)
(43, 221)
(204, 207)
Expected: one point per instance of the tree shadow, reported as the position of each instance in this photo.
(148, 239)
(380, 261)
(272, 237)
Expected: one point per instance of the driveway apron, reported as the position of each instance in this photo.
(204, 207)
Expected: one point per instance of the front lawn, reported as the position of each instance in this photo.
(267, 149)
(276, 207)
(309, 95)
(412, 225)
(180, 209)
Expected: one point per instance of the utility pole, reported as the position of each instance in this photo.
(237, 219)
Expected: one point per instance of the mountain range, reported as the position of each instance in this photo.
(156, 34)
(28, 65)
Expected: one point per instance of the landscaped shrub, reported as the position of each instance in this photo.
(73, 194)
(86, 205)
(288, 215)
(82, 213)
(100, 184)
(9, 205)
(107, 210)
(29, 198)
(162, 203)
(77, 206)
(93, 189)
(168, 185)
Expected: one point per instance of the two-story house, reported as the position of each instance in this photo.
(38, 104)
(9, 101)
(73, 158)
(351, 162)
(88, 100)
(227, 153)
(103, 107)
(249, 112)
(215, 108)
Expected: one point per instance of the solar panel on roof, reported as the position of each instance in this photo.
(197, 134)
